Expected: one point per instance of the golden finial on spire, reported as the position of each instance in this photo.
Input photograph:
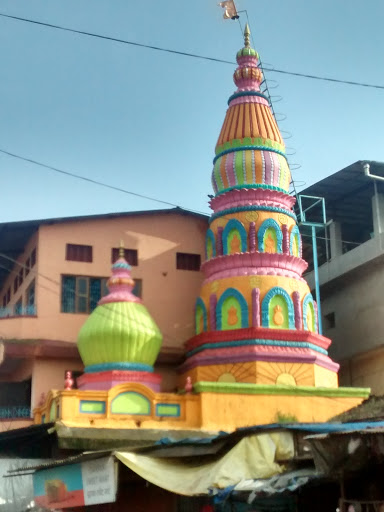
(121, 249)
(247, 33)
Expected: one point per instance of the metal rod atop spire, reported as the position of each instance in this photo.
(121, 249)
(247, 34)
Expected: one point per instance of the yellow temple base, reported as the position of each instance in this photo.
(213, 406)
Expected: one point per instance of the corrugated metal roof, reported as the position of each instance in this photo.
(362, 432)
(321, 428)
(75, 459)
(347, 192)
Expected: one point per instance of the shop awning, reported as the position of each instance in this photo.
(253, 457)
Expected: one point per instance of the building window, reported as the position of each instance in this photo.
(76, 252)
(27, 266)
(15, 399)
(130, 255)
(21, 277)
(18, 281)
(80, 294)
(33, 258)
(19, 307)
(187, 261)
(329, 321)
(30, 299)
(138, 288)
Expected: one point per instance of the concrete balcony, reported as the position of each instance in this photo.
(371, 252)
(19, 326)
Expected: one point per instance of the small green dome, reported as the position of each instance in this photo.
(247, 52)
(119, 332)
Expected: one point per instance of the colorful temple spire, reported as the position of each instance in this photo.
(254, 305)
(257, 356)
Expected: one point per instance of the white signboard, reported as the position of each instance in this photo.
(99, 481)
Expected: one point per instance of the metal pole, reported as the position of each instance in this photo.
(317, 286)
(378, 220)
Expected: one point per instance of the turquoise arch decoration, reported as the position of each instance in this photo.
(232, 293)
(295, 233)
(308, 301)
(265, 306)
(270, 224)
(130, 402)
(210, 239)
(234, 225)
(200, 308)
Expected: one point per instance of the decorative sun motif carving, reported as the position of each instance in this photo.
(285, 373)
(294, 284)
(214, 286)
(283, 219)
(220, 222)
(237, 372)
(255, 281)
(251, 216)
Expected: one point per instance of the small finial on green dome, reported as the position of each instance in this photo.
(121, 249)
(247, 51)
(247, 33)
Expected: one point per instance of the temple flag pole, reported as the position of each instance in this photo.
(230, 12)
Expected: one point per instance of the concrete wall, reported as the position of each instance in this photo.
(364, 370)
(21, 260)
(49, 374)
(168, 293)
(356, 299)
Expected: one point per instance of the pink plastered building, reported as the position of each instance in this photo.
(53, 272)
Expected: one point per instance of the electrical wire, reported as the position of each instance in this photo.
(95, 182)
(186, 54)
(89, 180)
(267, 87)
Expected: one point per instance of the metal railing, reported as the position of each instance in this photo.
(15, 411)
(16, 311)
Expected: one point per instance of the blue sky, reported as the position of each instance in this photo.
(148, 121)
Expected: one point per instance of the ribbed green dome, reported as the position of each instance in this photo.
(119, 332)
(246, 52)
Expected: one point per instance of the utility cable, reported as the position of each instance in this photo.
(102, 184)
(187, 54)
(89, 180)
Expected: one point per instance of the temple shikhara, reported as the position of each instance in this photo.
(257, 356)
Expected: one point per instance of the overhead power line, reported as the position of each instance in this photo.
(187, 54)
(84, 178)
(100, 183)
